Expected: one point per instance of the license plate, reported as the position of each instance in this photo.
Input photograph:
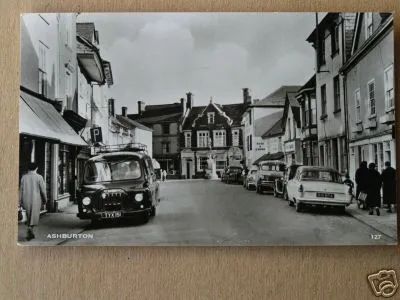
(326, 195)
(111, 214)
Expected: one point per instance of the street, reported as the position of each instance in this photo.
(201, 212)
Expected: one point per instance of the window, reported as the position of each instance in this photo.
(203, 163)
(371, 97)
(220, 164)
(202, 139)
(219, 138)
(235, 137)
(321, 54)
(211, 117)
(357, 102)
(64, 169)
(250, 117)
(251, 142)
(336, 93)
(42, 69)
(313, 116)
(165, 147)
(306, 112)
(165, 128)
(335, 39)
(368, 25)
(323, 100)
(389, 91)
(188, 139)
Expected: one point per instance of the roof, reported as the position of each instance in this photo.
(275, 130)
(276, 157)
(232, 111)
(326, 21)
(131, 123)
(39, 118)
(264, 124)
(295, 106)
(86, 30)
(278, 97)
(309, 85)
(159, 113)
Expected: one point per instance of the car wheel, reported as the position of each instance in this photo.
(153, 211)
(299, 207)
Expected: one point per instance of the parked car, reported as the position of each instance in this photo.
(280, 183)
(118, 184)
(234, 174)
(224, 174)
(317, 186)
(249, 180)
(267, 172)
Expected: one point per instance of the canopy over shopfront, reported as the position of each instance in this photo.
(39, 118)
(269, 156)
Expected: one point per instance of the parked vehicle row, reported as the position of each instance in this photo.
(232, 174)
(300, 185)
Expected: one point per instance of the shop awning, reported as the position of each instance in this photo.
(40, 119)
(269, 156)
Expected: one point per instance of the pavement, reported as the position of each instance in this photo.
(203, 212)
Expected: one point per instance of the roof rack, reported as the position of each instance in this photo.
(134, 147)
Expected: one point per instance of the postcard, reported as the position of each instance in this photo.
(207, 129)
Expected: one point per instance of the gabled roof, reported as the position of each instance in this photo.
(264, 124)
(159, 113)
(275, 130)
(292, 104)
(218, 108)
(278, 97)
(131, 123)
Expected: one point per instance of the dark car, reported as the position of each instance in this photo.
(118, 184)
(280, 183)
(234, 174)
(268, 171)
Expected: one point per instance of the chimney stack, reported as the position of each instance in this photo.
(141, 107)
(183, 105)
(111, 107)
(189, 100)
(124, 110)
(246, 96)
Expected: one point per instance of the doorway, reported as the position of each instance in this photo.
(188, 169)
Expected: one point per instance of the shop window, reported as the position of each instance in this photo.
(203, 163)
(64, 169)
(220, 164)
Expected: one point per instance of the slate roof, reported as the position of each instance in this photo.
(131, 123)
(159, 113)
(85, 30)
(266, 123)
(233, 111)
(278, 97)
(310, 84)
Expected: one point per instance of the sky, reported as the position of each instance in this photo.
(159, 57)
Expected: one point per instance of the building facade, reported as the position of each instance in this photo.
(256, 121)
(332, 40)
(308, 116)
(291, 138)
(48, 103)
(212, 130)
(370, 91)
(165, 121)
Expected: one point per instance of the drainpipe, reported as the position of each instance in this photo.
(346, 121)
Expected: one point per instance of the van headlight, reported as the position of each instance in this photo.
(86, 201)
(139, 197)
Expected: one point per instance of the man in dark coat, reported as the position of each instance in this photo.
(373, 189)
(389, 186)
(361, 178)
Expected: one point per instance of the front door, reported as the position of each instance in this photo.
(188, 170)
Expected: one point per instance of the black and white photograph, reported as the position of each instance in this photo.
(207, 129)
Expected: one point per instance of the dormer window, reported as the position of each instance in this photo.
(211, 117)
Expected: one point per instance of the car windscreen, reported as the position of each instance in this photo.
(320, 175)
(273, 167)
(112, 170)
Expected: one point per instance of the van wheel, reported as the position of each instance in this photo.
(299, 207)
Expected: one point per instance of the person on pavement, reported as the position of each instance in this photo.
(389, 186)
(32, 197)
(350, 184)
(374, 184)
(361, 177)
(165, 175)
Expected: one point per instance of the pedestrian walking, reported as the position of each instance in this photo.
(32, 197)
(374, 184)
(389, 186)
(361, 178)
(165, 175)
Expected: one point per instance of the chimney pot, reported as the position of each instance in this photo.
(189, 100)
(141, 107)
(124, 111)
(246, 96)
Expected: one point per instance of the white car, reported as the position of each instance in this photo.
(317, 186)
(250, 180)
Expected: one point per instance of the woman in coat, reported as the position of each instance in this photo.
(32, 197)
(389, 186)
(373, 190)
(361, 178)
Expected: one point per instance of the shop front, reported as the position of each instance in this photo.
(293, 152)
